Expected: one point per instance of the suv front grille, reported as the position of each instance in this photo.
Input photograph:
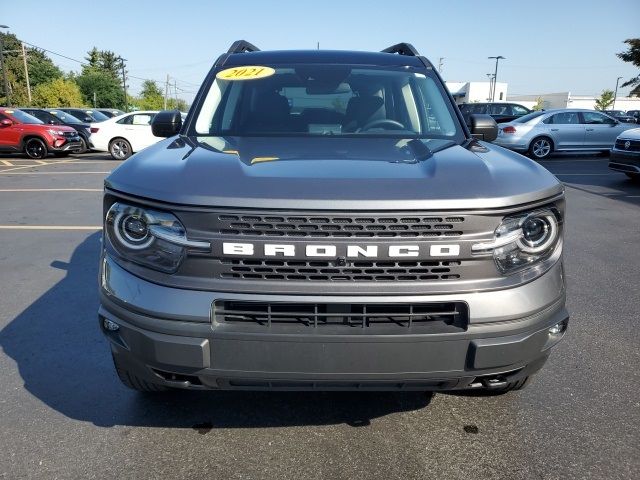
(340, 226)
(433, 317)
(383, 271)
(634, 145)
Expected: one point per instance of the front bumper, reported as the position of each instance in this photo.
(167, 336)
(624, 161)
(71, 144)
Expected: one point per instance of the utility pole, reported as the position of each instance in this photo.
(95, 103)
(166, 92)
(124, 84)
(4, 70)
(615, 95)
(440, 64)
(26, 72)
(175, 91)
(495, 76)
(318, 46)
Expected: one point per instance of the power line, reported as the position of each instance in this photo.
(86, 64)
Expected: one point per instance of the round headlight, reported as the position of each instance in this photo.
(132, 230)
(539, 231)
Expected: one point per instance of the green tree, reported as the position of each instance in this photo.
(632, 55)
(41, 69)
(108, 90)
(177, 104)
(57, 93)
(605, 100)
(539, 104)
(151, 97)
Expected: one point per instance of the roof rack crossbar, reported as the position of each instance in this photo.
(241, 46)
(402, 49)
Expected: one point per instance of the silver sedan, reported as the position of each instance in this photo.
(541, 133)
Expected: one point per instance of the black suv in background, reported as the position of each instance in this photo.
(87, 115)
(621, 116)
(58, 117)
(110, 112)
(635, 114)
(500, 111)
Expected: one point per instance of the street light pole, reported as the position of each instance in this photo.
(124, 85)
(495, 76)
(490, 77)
(4, 70)
(615, 95)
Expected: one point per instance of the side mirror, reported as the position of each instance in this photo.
(6, 122)
(166, 123)
(88, 119)
(483, 127)
(53, 122)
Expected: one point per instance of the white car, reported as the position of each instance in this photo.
(124, 135)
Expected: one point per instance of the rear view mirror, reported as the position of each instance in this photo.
(166, 123)
(483, 127)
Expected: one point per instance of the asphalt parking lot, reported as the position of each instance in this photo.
(64, 414)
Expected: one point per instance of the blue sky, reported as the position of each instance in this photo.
(550, 46)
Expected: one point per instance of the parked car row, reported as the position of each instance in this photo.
(562, 130)
(38, 132)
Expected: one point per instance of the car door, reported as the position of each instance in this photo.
(566, 130)
(600, 130)
(138, 130)
(9, 134)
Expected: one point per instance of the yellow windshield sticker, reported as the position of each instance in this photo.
(8, 111)
(233, 152)
(247, 72)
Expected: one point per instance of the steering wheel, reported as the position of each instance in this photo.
(383, 121)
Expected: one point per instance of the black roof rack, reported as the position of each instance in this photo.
(402, 49)
(241, 46)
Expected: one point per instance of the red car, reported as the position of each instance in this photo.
(21, 132)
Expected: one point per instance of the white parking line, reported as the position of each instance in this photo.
(49, 227)
(7, 163)
(51, 190)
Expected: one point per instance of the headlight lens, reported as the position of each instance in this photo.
(151, 238)
(56, 132)
(524, 240)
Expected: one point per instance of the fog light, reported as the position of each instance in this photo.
(558, 328)
(110, 326)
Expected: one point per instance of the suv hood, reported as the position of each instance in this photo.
(332, 173)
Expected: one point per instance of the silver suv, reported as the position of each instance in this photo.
(326, 220)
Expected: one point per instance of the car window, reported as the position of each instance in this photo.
(519, 110)
(528, 117)
(499, 109)
(595, 118)
(141, 119)
(564, 118)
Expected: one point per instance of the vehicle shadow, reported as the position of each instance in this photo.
(65, 363)
(591, 174)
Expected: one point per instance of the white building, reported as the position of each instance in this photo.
(474, 92)
(566, 100)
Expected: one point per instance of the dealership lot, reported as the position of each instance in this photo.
(65, 414)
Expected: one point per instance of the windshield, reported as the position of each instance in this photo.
(98, 116)
(65, 117)
(331, 100)
(529, 116)
(23, 117)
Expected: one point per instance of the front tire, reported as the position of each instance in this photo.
(132, 381)
(541, 148)
(35, 148)
(83, 146)
(120, 149)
